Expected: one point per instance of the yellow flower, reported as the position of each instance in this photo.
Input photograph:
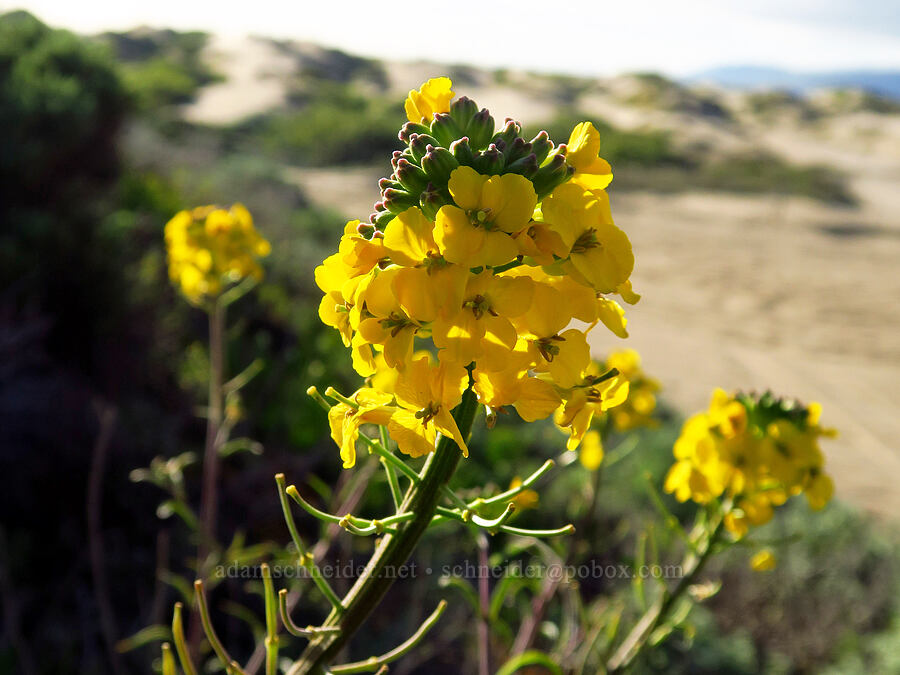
(595, 394)
(591, 453)
(599, 252)
(637, 410)
(425, 395)
(209, 248)
(373, 407)
(476, 232)
(432, 97)
(481, 329)
(763, 560)
(532, 397)
(591, 171)
(756, 450)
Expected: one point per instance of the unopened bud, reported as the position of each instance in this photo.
(553, 173)
(412, 177)
(418, 145)
(462, 110)
(489, 162)
(409, 129)
(438, 163)
(445, 129)
(526, 166)
(366, 230)
(541, 145)
(430, 201)
(462, 151)
(397, 201)
(480, 129)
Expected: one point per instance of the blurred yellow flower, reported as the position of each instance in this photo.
(591, 453)
(756, 450)
(209, 248)
(763, 561)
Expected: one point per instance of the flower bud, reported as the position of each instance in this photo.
(445, 129)
(553, 173)
(526, 166)
(508, 133)
(438, 163)
(462, 110)
(518, 149)
(395, 157)
(462, 151)
(411, 128)
(411, 177)
(431, 200)
(480, 129)
(380, 220)
(541, 145)
(489, 162)
(366, 229)
(397, 201)
(418, 145)
(385, 183)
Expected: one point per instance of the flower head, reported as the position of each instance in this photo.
(210, 247)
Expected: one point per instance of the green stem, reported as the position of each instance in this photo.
(394, 550)
(636, 641)
(209, 491)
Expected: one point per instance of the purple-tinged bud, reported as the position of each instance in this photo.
(365, 229)
(508, 133)
(438, 163)
(462, 110)
(489, 162)
(480, 129)
(554, 172)
(412, 177)
(395, 157)
(418, 146)
(385, 183)
(382, 219)
(526, 166)
(518, 149)
(445, 129)
(431, 200)
(379, 207)
(541, 145)
(462, 151)
(397, 201)
(411, 128)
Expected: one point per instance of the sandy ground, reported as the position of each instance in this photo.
(739, 291)
(255, 73)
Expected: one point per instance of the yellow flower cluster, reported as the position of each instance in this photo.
(210, 247)
(483, 250)
(637, 410)
(757, 451)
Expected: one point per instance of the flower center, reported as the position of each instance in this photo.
(481, 218)
(586, 241)
(479, 306)
(428, 413)
(546, 347)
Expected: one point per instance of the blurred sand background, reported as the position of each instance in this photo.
(739, 291)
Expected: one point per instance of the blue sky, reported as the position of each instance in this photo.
(579, 36)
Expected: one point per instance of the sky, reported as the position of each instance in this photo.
(679, 38)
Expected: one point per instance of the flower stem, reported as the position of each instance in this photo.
(209, 491)
(637, 639)
(394, 550)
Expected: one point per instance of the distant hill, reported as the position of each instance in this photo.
(883, 82)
